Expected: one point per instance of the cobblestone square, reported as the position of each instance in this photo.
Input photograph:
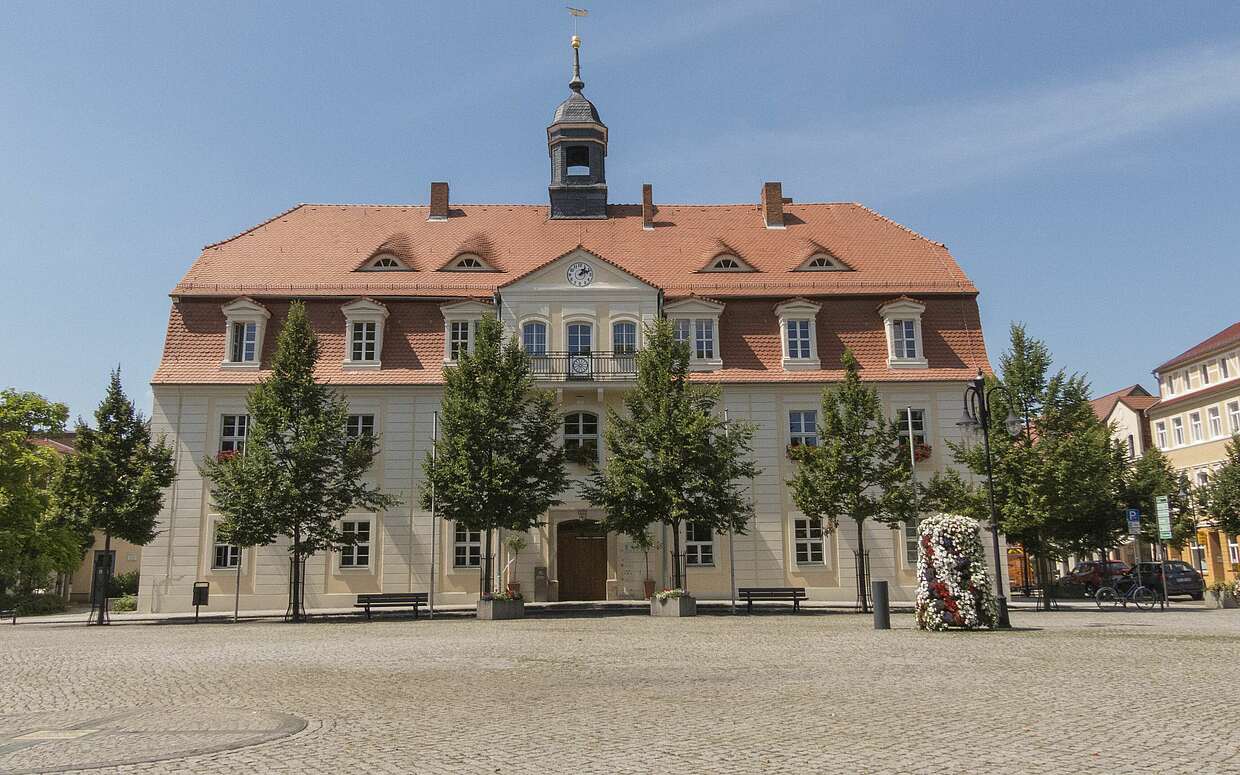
(1074, 691)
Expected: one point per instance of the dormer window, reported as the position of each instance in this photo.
(822, 262)
(726, 263)
(902, 323)
(468, 262)
(247, 321)
(696, 323)
(461, 321)
(386, 262)
(364, 322)
(798, 328)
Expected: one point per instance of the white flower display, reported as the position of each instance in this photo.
(954, 586)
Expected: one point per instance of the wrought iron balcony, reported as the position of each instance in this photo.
(584, 366)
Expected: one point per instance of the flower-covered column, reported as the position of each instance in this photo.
(954, 587)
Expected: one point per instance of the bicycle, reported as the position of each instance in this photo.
(1122, 594)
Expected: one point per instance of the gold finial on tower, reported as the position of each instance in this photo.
(576, 42)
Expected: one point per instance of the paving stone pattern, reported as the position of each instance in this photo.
(1073, 692)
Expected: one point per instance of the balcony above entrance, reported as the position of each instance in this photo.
(584, 366)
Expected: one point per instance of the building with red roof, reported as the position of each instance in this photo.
(768, 294)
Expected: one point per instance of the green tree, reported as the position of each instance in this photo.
(116, 477)
(300, 472)
(496, 464)
(1221, 497)
(670, 457)
(1150, 476)
(35, 541)
(859, 469)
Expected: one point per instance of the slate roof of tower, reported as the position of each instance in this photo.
(576, 110)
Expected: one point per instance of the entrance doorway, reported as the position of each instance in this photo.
(581, 560)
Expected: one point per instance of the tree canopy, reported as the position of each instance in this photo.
(672, 458)
(299, 472)
(1222, 495)
(497, 463)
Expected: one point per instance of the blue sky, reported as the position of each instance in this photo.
(1078, 159)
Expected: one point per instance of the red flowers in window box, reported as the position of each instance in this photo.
(226, 455)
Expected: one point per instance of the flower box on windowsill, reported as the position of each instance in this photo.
(673, 605)
(920, 451)
(491, 609)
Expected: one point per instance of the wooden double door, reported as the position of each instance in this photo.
(581, 560)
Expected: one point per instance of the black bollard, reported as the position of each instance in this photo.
(882, 606)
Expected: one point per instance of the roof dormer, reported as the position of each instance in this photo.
(467, 262)
(727, 262)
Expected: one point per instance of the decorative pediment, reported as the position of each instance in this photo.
(467, 308)
(693, 305)
(245, 308)
(903, 305)
(363, 308)
(797, 306)
(579, 269)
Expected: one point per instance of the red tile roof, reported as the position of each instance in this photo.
(1134, 397)
(749, 339)
(1222, 340)
(1196, 395)
(315, 250)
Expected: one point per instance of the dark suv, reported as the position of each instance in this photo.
(1182, 578)
(1087, 576)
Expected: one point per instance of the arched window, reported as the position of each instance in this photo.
(624, 337)
(468, 262)
(534, 337)
(581, 437)
(580, 338)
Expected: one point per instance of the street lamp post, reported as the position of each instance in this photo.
(977, 413)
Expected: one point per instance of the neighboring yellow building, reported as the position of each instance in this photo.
(1197, 414)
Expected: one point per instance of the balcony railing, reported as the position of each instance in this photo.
(584, 367)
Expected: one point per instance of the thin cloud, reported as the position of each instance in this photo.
(938, 146)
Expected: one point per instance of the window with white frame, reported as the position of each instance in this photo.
(918, 423)
(356, 551)
(1203, 478)
(1194, 425)
(581, 436)
(467, 262)
(798, 342)
(624, 337)
(360, 425)
(233, 430)
(1205, 374)
(703, 338)
(1160, 433)
(1233, 416)
(803, 427)
(1198, 553)
(534, 337)
(243, 347)
(246, 322)
(807, 541)
(1224, 370)
(798, 333)
(225, 555)
(696, 323)
(364, 328)
(902, 322)
(1233, 550)
(1177, 431)
(912, 542)
(460, 338)
(466, 548)
(1216, 422)
(580, 338)
(460, 330)
(699, 544)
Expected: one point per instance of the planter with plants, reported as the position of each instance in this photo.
(673, 602)
(1223, 595)
(502, 605)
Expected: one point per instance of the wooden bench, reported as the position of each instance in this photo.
(391, 600)
(9, 613)
(793, 594)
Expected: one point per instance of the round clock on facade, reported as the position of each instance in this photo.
(580, 274)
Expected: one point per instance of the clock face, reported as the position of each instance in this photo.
(580, 274)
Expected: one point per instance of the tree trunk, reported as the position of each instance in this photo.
(677, 579)
(295, 593)
(861, 580)
(102, 595)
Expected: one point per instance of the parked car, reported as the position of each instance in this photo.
(1088, 575)
(1182, 578)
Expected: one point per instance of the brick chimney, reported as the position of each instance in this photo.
(773, 204)
(439, 202)
(647, 206)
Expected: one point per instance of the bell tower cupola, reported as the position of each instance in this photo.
(577, 145)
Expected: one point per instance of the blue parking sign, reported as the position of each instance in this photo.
(1134, 522)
